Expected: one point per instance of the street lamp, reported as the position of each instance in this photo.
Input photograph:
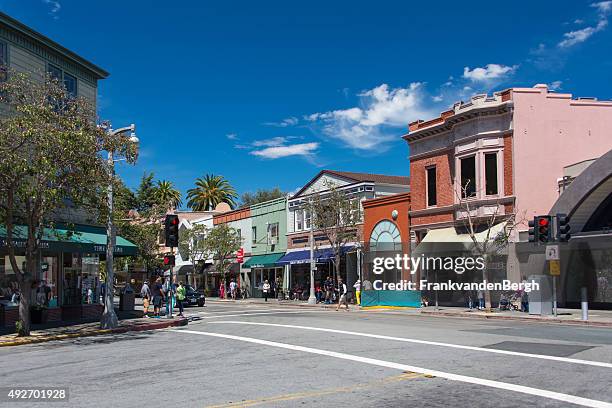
(109, 318)
(312, 299)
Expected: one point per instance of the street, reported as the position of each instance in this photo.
(234, 354)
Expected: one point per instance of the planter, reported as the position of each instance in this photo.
(38, 316)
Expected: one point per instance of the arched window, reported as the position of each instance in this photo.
(385, 237)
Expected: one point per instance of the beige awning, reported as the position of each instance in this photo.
(450, 234)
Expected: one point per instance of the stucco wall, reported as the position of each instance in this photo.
(567, 130)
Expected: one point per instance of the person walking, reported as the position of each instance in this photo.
(357, 287)
(158, 297)
(181, 293)
(222, 290)
(232, 286)
(145, 294)
(273, 288)
(329, 289)
(266, 289)
(342, 294)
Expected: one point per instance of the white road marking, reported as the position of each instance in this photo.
(219, 312)
(431, 343)
(263, 313)
(404, 367)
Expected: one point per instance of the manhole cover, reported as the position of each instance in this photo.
(558, 350)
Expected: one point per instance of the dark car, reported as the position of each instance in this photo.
(193, 297)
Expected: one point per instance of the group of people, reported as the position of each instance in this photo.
(232, 291)
(328, 292)
(172, 293)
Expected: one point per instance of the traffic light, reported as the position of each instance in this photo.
(172, 230)
(532, 230)
(544, 228)
(169, 260)
(563, 228)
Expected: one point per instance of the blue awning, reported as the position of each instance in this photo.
(320, 255)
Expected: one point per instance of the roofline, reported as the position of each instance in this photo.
(395, 198)
(338, 174)
(27, 31)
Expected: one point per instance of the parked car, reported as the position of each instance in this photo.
(194, 297)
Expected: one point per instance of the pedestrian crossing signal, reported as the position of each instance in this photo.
(169, 260)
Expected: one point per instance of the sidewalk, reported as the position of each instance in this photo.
(599, 318)
(90, 329)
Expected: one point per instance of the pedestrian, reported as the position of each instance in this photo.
(145, 294)
(367, 285)
(169, 292)
(158, 296)
(357, 287)
(222, 290)
(481, 300)
(329, 289)
(181, 292)
(279, 285)
(469, 300)
(266, 289)
(524, 298)
(318, 292)
(273, 289)
(232, 286)
(342, 293)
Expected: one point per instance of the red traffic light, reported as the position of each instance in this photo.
(543, 222)
(169, 260)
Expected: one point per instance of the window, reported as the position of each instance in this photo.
(54, 72)
(307, 219)
(239, 232)
(491, 173)
(299, 220)
(3, 61)
(432, 199)
(70, 82)
(273, 233)
(254, 232)
(468, 177)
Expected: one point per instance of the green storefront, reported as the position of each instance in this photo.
(69, 284)
(268, 245)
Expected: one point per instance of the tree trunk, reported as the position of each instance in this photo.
(485, 278)
(25, 289)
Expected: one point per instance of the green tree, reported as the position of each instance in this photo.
(335, 216)
(50, 158)
(166, 195)
(146, 194)
(261, 196)
(209, 192)
(221, 243)
(192, 246)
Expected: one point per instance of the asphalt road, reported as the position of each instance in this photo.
(279, 356)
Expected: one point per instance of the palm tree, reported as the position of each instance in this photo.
(210, 191)
(167, 195)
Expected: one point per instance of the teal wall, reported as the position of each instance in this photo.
(273, 211)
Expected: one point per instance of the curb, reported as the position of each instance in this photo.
(517, 318)
(98, 332)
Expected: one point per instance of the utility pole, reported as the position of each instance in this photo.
(109, 318)
(312, 298)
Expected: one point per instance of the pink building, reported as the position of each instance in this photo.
(498, 144)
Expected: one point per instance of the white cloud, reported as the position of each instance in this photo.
(55, 7)
(231, 136)
(274, 141)
(290, 121)
(437, 98)
(572, 38)
(555, 85)
(276, 152)
(380, 109)
(489, 72)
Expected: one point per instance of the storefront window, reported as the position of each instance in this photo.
(81, 279)
(8, 279)
(46, 292)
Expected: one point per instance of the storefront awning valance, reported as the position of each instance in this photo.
(320, 255)
(263, 261)
(83, 239)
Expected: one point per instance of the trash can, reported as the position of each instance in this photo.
(126, 299)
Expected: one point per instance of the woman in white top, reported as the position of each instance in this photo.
(266, 289)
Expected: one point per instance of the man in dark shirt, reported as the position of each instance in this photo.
(158, 296)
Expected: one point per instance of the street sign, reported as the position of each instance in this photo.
(552, 252)
(240, 256)
(554, 267)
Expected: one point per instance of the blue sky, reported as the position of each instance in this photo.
(269, 93)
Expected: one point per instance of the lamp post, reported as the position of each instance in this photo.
(312, 298)
(109, 318)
